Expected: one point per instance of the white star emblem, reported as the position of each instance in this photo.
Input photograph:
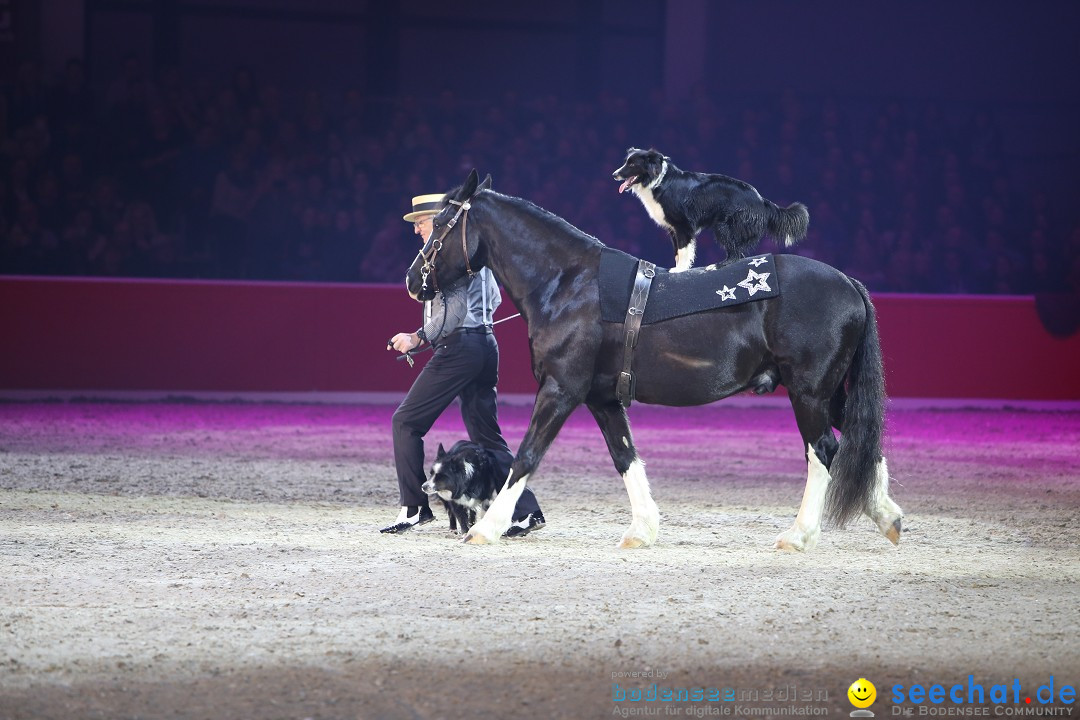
(726, 293)
(758, 261)
(756, 281)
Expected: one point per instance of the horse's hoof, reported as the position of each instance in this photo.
(794, 539)
(475, 538)
(893, 533)
(891, 528)
(642, 532)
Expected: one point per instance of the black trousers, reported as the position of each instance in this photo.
(465, 367)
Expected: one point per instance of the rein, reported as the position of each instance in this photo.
(430, 251)
(428, 258)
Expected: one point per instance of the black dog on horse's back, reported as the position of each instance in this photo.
(466, 479)
(685, 203)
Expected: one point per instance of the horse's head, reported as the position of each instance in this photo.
(449, 253)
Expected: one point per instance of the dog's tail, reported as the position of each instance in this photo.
(788, 224)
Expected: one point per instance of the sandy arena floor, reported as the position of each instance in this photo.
(195, 560)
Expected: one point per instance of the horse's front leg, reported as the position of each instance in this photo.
(553, 405)
(646, 516)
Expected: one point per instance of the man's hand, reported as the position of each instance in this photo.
(403, 342)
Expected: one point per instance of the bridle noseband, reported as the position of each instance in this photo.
(436, 245)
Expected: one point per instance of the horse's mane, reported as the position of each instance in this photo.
(547, 217)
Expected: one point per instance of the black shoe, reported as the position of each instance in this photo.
(409, 517)
(521, 528)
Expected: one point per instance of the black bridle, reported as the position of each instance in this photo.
(430, 251)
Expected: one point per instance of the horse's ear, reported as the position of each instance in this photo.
(486, 185)
(469, 187)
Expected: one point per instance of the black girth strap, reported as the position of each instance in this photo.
(624, 389)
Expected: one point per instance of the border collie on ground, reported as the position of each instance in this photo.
(685, 203)
(466, 479)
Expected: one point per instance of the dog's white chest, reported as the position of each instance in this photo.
(651, 206)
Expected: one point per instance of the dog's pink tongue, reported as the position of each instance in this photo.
(626, 184)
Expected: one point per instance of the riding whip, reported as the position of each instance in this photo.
(408, 356)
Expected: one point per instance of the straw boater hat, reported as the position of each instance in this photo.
(424, 206)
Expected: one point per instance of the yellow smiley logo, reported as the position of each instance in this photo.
(862, 693)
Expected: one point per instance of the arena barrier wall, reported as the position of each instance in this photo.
(190, 336)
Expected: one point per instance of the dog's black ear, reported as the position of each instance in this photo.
(486, 185)
(631, 151)
(653, 162)
(441, 451)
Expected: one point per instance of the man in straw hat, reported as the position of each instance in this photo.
(465, 365)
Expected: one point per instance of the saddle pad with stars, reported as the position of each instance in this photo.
(675, 294)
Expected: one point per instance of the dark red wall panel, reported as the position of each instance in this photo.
(194, 336)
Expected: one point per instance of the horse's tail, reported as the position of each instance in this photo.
(789, 224)
(855, 466)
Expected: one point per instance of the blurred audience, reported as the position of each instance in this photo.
(162, 177)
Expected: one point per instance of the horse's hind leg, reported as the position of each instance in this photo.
(812, 417)
(646, 516)
(885, 513)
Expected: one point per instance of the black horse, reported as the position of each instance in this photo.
(818, 338)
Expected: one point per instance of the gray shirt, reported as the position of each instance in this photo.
(468, 303)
